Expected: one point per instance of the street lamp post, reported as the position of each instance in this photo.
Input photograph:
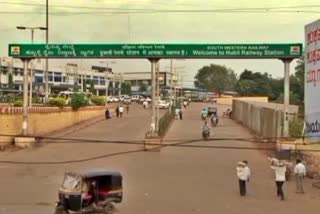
(32, 29)
(107, 76)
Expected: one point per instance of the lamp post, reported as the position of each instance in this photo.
(107, 72)
(32, 29)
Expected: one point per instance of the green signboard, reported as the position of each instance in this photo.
(106, 50)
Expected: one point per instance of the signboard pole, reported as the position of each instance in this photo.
(286, 101)
(25, 97)
(153, 95)
(157, 96)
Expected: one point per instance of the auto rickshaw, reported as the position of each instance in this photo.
(89, 191)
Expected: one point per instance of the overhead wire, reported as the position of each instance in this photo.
(150, 9)
(178, 143)
(153, 12)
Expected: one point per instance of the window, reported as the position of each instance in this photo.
(38, 79)
(58, 78)
(96, 80)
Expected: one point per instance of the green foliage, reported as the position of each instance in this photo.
(164, 122)
(258, 84)
(100, 101)
(126, 88)
(18, 103)
(78, 100)
(58, 101)
(215, 78)
(296, 128)
(294, 99)
(143, 88)
(254, 84)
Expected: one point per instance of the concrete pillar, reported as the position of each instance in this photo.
(286, 101)
(25, 97)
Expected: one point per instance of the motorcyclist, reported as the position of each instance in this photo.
(204, 113)
(205, 129)
(214, 115)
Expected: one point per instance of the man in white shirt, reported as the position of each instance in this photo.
(300, 172)
(243, 173)
(121, 109)
(280, 175)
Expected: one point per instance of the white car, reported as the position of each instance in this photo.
(127, 100)
(110, 99)
(134, 98)
(163, 104)
(116, 99)
(148, 99)
(141, 100)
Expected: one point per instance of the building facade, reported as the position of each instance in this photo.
(97, 81)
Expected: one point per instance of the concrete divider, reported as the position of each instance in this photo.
(228, 100)
(265, 119)
(45, 121)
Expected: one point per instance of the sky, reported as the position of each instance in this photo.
(102, 24)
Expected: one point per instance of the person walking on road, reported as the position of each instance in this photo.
(180, 114)
(177, 111)
(121, 110)
(107, 114)
(243, 173)
(279, 168)
(300, 173)
(127, 109)
(117, 111)
(145, 104)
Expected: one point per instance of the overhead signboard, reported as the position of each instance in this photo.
(312, 81)
(171, 50)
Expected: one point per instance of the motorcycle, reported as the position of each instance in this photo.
(203, 116)
(205, 134)
(214, 121)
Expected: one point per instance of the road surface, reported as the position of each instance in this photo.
(175, 180)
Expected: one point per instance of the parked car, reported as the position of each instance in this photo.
(110, 99)
(141, 100)
(127, 100)
(148, 99)
(163, 104)
(116, 99)
(121, 98)
(135, 98)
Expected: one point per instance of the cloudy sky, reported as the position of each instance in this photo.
(133, 21)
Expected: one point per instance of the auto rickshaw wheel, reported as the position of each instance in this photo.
(109, 208)
(60, 210)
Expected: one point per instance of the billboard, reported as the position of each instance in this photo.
(312, 81)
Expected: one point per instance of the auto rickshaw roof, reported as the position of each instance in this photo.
(98, 172)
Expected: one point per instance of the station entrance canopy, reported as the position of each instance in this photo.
(165, 51)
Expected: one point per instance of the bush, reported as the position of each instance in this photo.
(296, 127)
(99, 101)
(60, 102)
(18, 103)
(165, 121)
(78, 100)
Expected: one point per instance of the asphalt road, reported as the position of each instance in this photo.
(175, 180)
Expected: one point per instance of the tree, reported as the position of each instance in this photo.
(297, 81)
(143, 88)
(215, 78)
(126, 88)
(255, 84)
